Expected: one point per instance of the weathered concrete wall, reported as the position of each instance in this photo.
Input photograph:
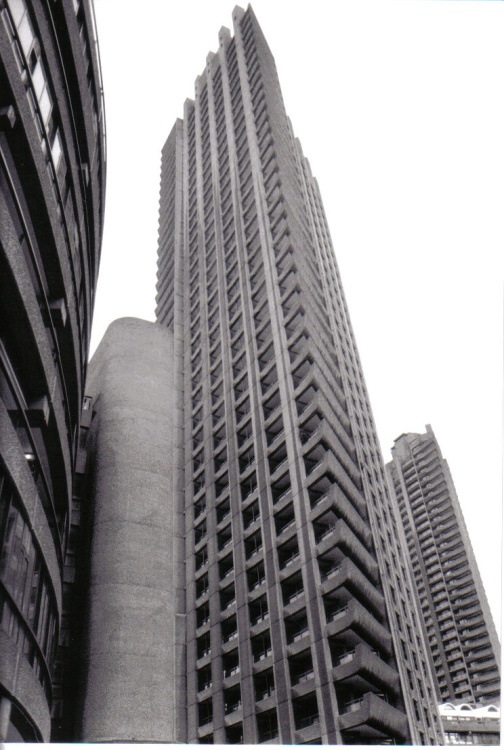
(128, 690)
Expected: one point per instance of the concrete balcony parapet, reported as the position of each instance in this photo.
(260, 627)
(287, 532)
(347, 574)
(362, 668)
(232, 680)
(291, 568)
(331, 464)
(296, 647)
(303, 688)
(227, 646)
(295, 606)
(378, 717)
(342, 536)
(262, 665)
(233, 717)
(336, 500)
(205, 729)
(267, 703)
(326, 433)
(358, 619)
(307, 734)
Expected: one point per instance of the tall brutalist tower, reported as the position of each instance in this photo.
(463, 644)
(301, 622)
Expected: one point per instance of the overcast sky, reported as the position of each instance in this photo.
(399, 107)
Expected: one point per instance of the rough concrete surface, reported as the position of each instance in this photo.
(128, 692)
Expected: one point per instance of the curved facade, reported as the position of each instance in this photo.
(128, 684)
(52, 178)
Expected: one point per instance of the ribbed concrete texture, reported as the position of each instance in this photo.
(128, 690)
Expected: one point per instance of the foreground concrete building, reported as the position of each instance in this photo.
(463, 646)
(301, 621)
(52, 181)
(125, 660)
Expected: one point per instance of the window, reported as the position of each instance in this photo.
(246, 459)
(261, 646)
(253, 544)
(230, 663)
(258, 610)
(264, 684)
(256, 576)
(204, 678)
(305, 711)
(201, 558)
(301, 667)
(223, 510)
(225, 567)
(227, 597)
(248, 485)
(244, 433)
(224, 537)
(23, 573)
(203, 645)
(250, 514)
(203, 615)
(229, 629)
(267, 725)
(205, 712)
(234, 734)
(232, 699)
(201, 585)
(200, 532)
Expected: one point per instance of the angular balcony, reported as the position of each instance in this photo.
(331, 497)
(362, 670)
(309, 398)
(346, 574)
(359, 624)
(330, 466)
(325, 432)
(372, 718)
(339, 535)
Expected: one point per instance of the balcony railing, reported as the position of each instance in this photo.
(302, 676)
(337, 615)
(307, 721)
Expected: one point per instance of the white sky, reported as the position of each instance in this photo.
(399, 107)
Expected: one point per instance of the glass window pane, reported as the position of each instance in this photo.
(38, 79)
(56, 151)
(25, 35)
(45, 105)
(17, 8)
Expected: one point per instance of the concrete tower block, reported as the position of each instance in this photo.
(128, 691)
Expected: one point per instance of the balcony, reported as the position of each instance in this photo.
(372, 718)
(362, 670)
(325, 433)
(354, 619)
(341, 537)
(347, 575)
(306, 735)
(329, 465)
(306, 718)
(310, 398)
